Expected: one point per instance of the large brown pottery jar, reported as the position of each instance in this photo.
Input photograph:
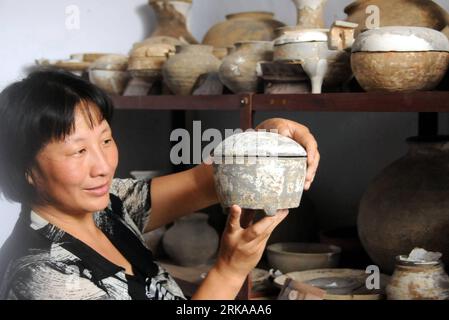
(417, 13)
(244, 26)
(407, 204)
(238, 71)
(184, 71)
(191, 241)
(310, 13)
(172, 19)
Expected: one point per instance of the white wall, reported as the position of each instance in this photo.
(36, 29)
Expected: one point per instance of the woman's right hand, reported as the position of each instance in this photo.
(240, 251)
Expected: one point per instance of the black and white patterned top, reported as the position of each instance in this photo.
(40, 261)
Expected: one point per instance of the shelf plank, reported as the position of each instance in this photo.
(430, 101)
(209, 102)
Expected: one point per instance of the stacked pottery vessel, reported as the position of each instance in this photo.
(189, 67)
(239, 70)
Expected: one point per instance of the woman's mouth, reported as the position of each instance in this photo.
(99, 191)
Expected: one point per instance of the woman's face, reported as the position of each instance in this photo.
(74, 175)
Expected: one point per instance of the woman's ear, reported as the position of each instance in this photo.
(29, 178)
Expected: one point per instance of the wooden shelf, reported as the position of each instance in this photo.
(221, 102)
(431, 101)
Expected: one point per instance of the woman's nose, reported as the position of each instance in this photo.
(100, 163)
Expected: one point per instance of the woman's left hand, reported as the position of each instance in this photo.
(300, 134)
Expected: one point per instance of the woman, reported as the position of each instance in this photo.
(79, 235)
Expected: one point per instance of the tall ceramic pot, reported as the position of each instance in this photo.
(191, 241)
(172, 19)
(416, 13)
(244, 26)
(238, 71)
(310, 13)
(188, 67)
(407, 204)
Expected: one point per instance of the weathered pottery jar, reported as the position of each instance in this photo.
(172, 16)
(191, 241)
(417, 13)
(259, 170)
(244, 26)
(392, 59)
(238, 71)
(418, 281)
(406, 205)
(188, 67)
(310, 13)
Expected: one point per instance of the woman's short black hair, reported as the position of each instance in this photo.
(35, 111)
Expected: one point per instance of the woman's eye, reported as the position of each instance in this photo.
(107, 141)
(79, 152)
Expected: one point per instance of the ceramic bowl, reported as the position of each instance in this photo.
(109, 73)
(297, 256)
(339, 284)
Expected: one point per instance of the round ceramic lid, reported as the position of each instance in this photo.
(294, 35)
(259, 144)
(401, 39)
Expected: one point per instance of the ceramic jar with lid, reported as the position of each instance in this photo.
(238, 71)
(392, 59)
(259, 170)
(110, 73)
(414, 280)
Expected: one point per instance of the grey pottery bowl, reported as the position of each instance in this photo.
(297, 256)
(260, 171)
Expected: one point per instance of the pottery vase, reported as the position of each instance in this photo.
(406, 206)
(172, 19)
(189, 67)
(310, 13)
(191, 241)
(244, 26)
(238, 71)
(416, 13)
